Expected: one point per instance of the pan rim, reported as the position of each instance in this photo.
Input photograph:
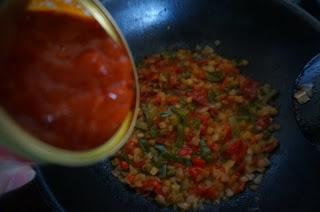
(299, 11)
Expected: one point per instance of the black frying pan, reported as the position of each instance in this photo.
(276, 37)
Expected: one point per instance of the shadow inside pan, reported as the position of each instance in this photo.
(276, 38)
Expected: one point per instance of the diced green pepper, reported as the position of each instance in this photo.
(182, 113)
(243, 118)
(205, 151)
(244, 111)
(174, 119)
(161, 148)
(163, 171)
(216, 76)
(186, 75)
(212, 97)
(144, 145)
(162, 77)
(270, 96)
(234, 123)
(125, 157)
(267, 93)
(153, 132)
(180, 135)
(168, 55)
(171, 172)
(157, 161)
(233, 85)
(196, 123)
(184, 161)
(268, 134)
(180, 125)
(163, 131)
(141, 125)
(190, 106)
(236, 131)
(165, 114)
(149, 111)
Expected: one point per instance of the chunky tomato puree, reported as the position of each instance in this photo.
(64, 80)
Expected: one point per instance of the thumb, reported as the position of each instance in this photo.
(14, 176)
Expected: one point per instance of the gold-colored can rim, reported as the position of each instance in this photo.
(17, 140)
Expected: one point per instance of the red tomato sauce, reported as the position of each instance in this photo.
(64, 80)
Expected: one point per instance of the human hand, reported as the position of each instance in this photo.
(14, 172)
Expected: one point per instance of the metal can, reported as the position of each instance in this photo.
(16, 139)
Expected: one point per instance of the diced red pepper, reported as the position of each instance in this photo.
(146, 96)
(212, 193)
(220, 168)
(176, 69)
(199, 190)
(149, 183)
(179, 165)
(152, 76)
(160, 140)
(228, 68)
(200, 75)
(213, 147)
(201, 62)
(228, 100)
(249, 89)
(195, 173)
(128, 148)
(171, 136)
(188, 137)
(138, 165)
(203, 130)
(237, 150)
(263, 122)
(235, 147)
(205, 192)
(234, 178)
(204, 118)
(194, 148)
(157, 120)
(185, 151)
(200, 96)
(227, 132)
(213, 112)
(157, 100)
(130, 178)
(124, 165)
(153, 185)
(159, 63)
(224, 83)
(198, 162)
(241, 168)
(172, 100)
(253, 140)
(239, 188)
(269, 147)
(158, 188)
(173, 82)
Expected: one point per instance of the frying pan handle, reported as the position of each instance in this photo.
(311, 6)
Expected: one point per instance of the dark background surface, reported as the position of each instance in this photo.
(31, 196)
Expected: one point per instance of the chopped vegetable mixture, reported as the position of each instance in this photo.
(204, 130)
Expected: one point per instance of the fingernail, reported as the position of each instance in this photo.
(20, 178)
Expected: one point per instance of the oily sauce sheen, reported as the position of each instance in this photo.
(64, 80)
